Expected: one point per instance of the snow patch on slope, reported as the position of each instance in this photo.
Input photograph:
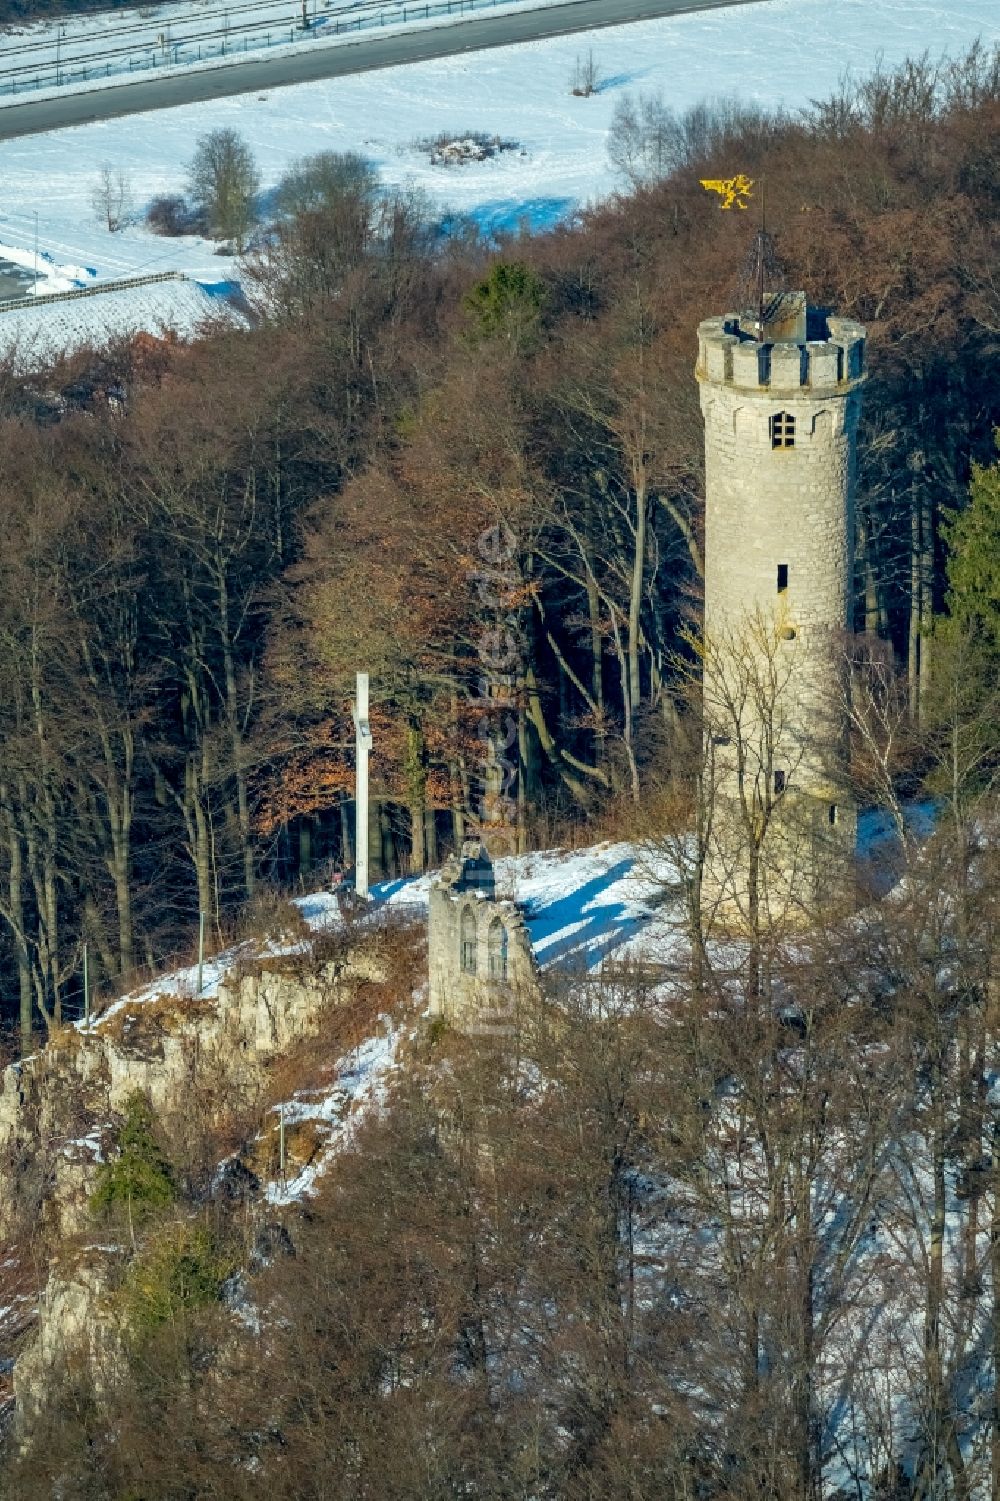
(581, 907)
(361, 1086)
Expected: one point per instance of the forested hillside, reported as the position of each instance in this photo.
(663, 1238)
(713, 1222)
(424, 438)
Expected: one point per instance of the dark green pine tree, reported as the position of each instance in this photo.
(965, 684)
(138, 1177)
(973, 568)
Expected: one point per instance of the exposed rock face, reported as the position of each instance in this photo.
(56, 1108)
(75, 1321)
(53, 1105)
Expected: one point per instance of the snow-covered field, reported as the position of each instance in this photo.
(518, 91)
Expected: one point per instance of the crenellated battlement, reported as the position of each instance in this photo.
(731, 353)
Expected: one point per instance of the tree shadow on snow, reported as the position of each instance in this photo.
(619, 81)
(579, 928)
(510, 216)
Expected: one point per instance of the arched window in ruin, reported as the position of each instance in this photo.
(496, 948)
(470, 941)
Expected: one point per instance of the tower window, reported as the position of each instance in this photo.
(782, 430)
(832, 815)
(782, 577)
(780, 781)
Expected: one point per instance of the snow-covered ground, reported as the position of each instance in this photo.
(581, 906)
(613, 901)
(616, 901)
(520, 92)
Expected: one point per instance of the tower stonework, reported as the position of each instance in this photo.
(780, 394)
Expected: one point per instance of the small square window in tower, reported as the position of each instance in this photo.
(780, 782)
(782, 430)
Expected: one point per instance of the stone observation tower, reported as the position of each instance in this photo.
(780, 393)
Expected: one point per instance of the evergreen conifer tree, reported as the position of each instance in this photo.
(138, 1177)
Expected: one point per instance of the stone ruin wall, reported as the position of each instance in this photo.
(476, 994)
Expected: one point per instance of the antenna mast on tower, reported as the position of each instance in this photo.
(761, 253)
(760, 287)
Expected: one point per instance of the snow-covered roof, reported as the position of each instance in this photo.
(36, 331)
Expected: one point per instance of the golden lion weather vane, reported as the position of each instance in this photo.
(735, 192)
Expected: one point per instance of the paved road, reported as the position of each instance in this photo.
(371, 51)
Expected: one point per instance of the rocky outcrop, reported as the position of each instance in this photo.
(55, 1106)
(76, 1322)
(192, 1058)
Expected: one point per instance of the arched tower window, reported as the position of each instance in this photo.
(470, 941)
(496, 948)
(782, 430)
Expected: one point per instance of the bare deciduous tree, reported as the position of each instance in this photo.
(648, 141)
(112, 197)
(585, 78)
